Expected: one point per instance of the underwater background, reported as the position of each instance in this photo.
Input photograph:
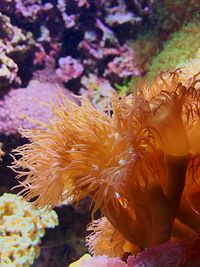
(79, 47)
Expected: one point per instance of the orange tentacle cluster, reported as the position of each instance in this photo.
(138, 160)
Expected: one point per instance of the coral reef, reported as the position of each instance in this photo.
(92, 33)
(29, 11)
(134, 160)
(159, 44)
(143, 174)
(16, 46)
(21, 229)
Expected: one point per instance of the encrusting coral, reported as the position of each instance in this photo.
(180, 47)
(23, 107)
(21, 229)
(138, 160)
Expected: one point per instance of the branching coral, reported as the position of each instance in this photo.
(21, 229)
(138, 160)
(38, 31)
(8, 71)
(69, 68)
(16, 46)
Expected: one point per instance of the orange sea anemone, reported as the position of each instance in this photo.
(138, 160)
(171, 109)
(106, 155)
(104, 239)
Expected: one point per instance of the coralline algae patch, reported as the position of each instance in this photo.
(21, 229)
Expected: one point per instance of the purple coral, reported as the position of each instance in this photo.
(69, 68)
(119, 15)
(25, 107)
(168, 254)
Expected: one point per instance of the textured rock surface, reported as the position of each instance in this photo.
(26, 107)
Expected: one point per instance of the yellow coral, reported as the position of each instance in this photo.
(78, 262)
(21, 230)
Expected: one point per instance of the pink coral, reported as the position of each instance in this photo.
(90, 46)
(125, 64)
(23, 103)
(102, 261)
(69, 68)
